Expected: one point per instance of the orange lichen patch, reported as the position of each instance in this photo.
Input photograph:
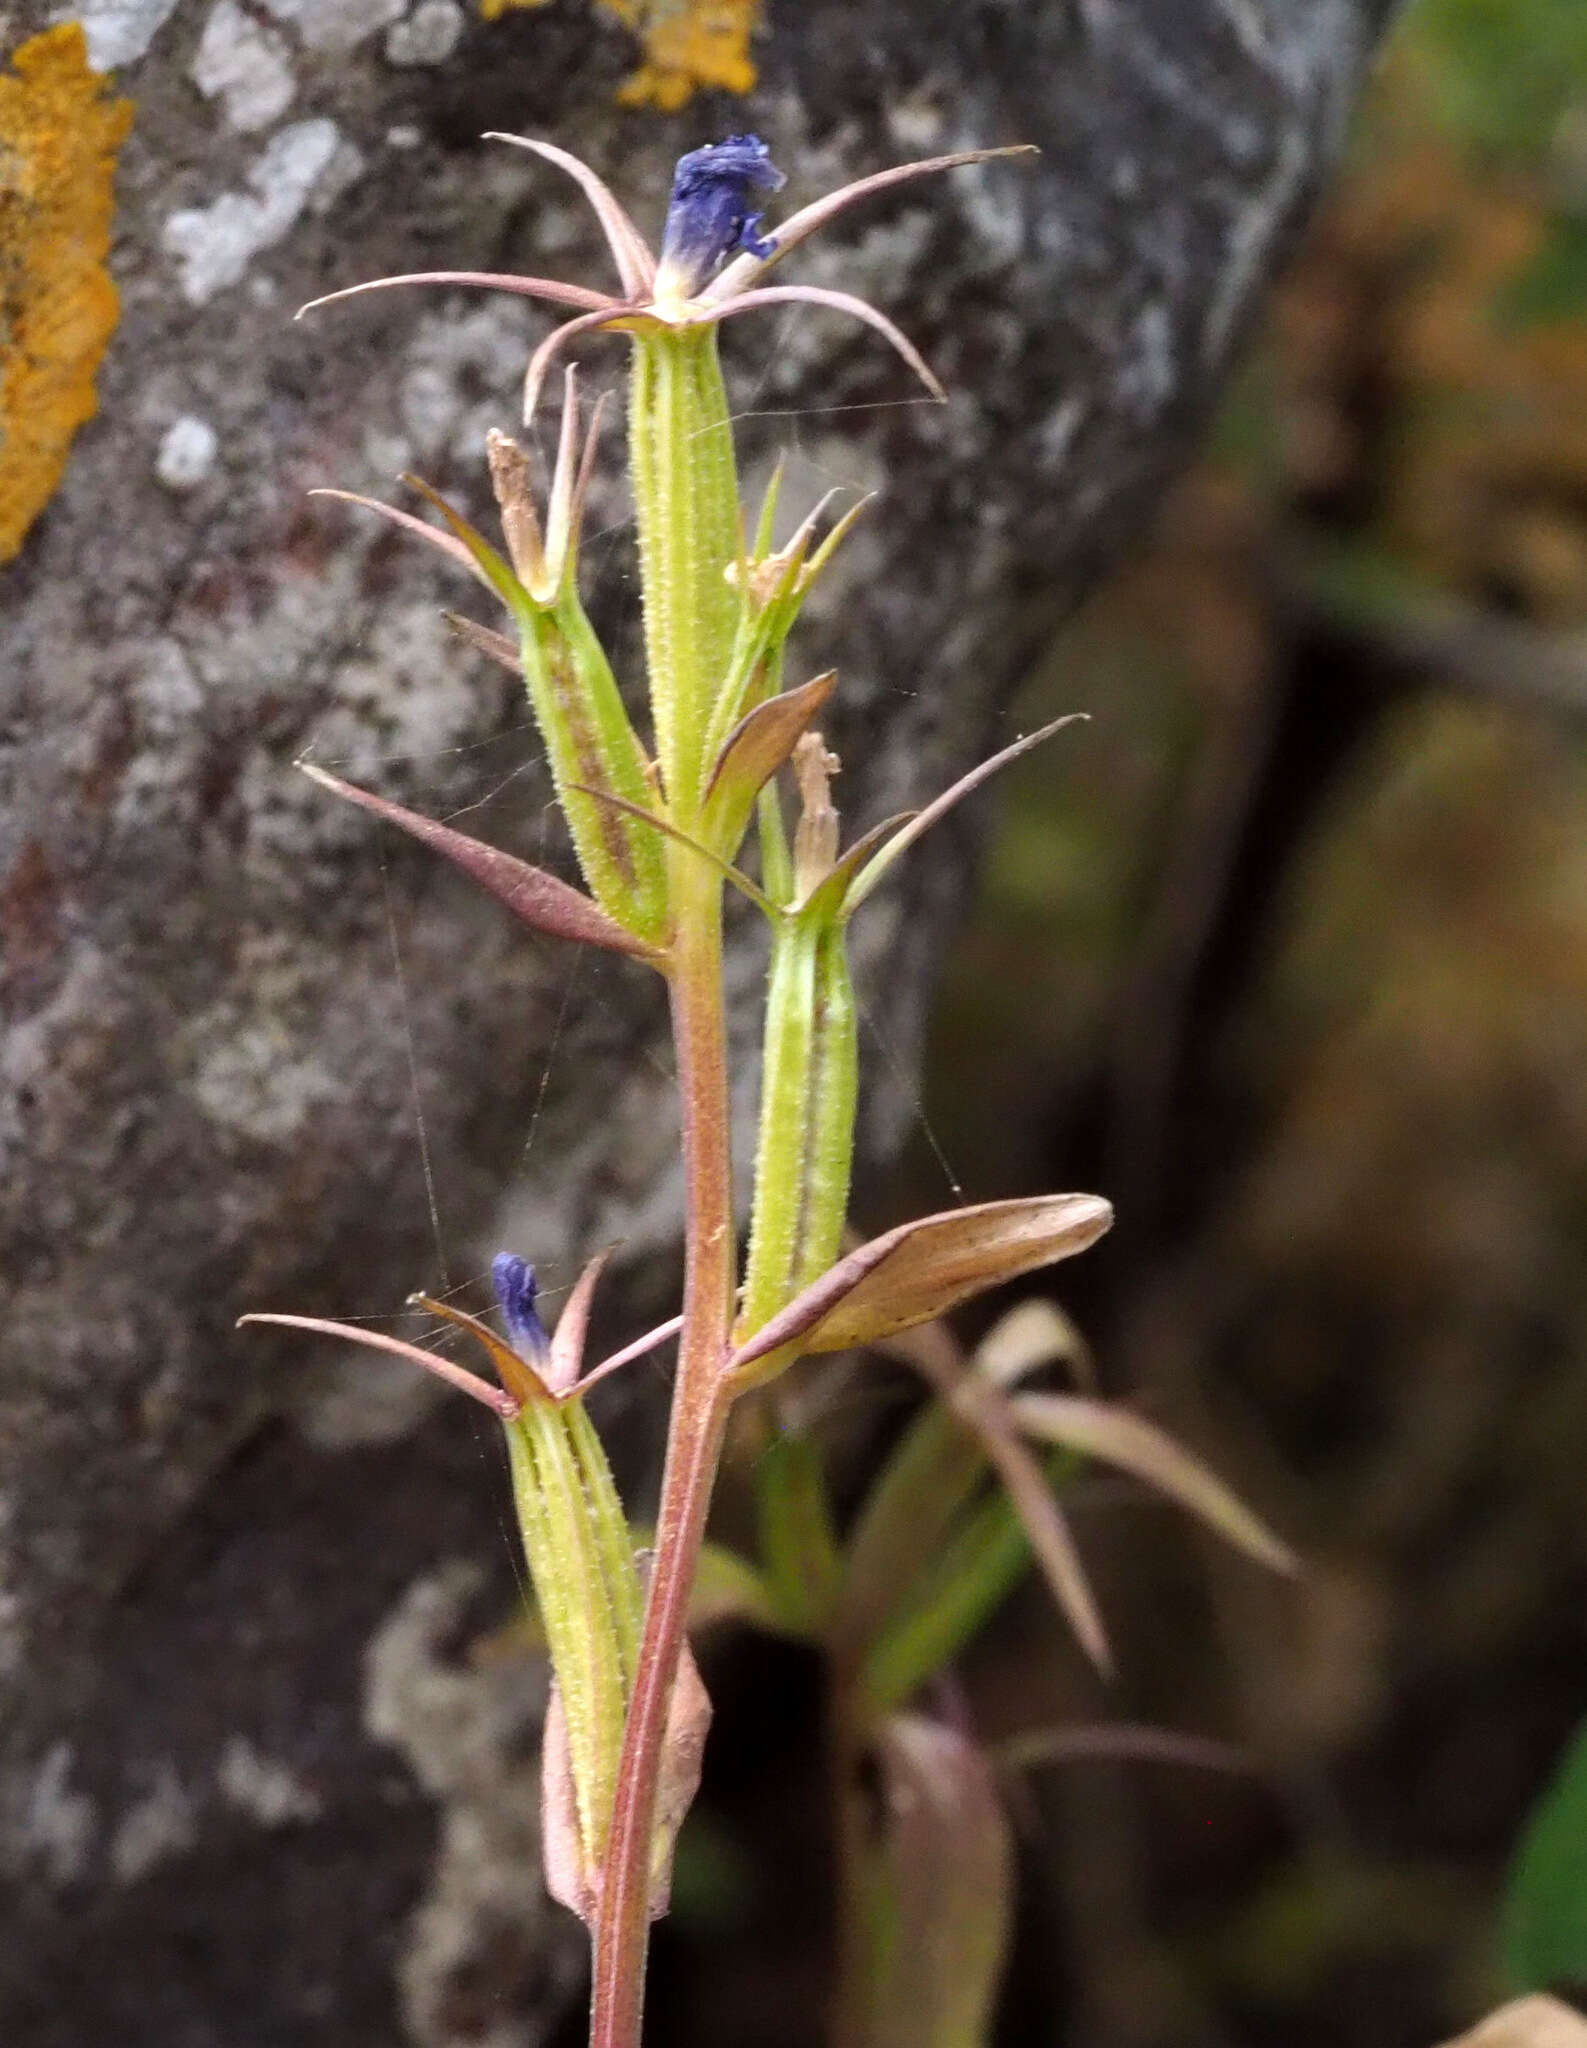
(58, 139)
(688, 43)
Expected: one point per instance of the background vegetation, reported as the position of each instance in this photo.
(1287, 953)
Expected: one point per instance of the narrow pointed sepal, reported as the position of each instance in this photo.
(635, 264)
(557, 340)
(446, 544)
(547, 288)
(834, 302)
(923, 1269)
(751, 754)
(938, 808)
(535, 898)
(827, 901)
(497, 1399)
(523, 1380)
(641, 1347)
(491, 567)
(544, 558)
(668, 830)
(484, 640)
(567, 1345)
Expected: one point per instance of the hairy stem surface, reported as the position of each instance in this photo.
(694, 1442)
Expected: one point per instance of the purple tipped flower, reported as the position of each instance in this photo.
(710, 218)
(514, 1280)
(712, 259)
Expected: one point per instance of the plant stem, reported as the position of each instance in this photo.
(694, 1442)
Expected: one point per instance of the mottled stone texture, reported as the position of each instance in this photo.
(251, 1789)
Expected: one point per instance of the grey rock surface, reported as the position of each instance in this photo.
(253, 1054)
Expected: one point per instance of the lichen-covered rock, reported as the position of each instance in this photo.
(254, 1055)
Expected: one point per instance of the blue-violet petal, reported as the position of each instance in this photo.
(515, 1290)
(710, 217)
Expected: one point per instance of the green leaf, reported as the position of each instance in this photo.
(922, 1269)
(1544, 1929)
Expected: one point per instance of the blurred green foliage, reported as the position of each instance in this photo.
(1504, 73)
(1553, 286)
(1509, 78)
(1545, 1914)
(1335, 1019)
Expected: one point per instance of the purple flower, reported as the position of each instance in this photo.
(712, 261)
(710, 219)
(514, 1280)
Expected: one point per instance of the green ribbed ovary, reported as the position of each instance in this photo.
(686, 504)
(590, 741)
(580, 1557)
(809, 1087)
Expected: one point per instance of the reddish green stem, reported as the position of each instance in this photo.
(700, 1402)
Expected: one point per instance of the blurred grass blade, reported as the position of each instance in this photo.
(1033, 1335)
(729, 1588)
(939, 1892)
(1097, 1430)
(798, 1541)
(1047, 1532)
(982, 1408)
(956, 1588)
(905, 1524)
(1121, 1742)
